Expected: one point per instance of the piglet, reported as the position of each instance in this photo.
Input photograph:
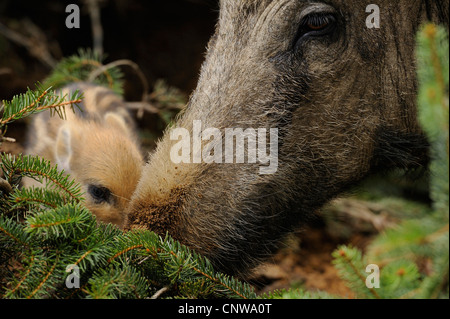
(97, 145)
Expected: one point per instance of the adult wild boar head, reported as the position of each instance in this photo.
(342, 96)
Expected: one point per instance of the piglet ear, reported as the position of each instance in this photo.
(117, 122)
(63, 151)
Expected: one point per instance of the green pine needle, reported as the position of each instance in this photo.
(13, 232)
(351, 267)
(37, 198)
(35, 101)
(66, 222)
(16, 167)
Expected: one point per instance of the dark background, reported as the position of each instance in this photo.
(166, 38)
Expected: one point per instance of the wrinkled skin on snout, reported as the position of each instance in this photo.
(342, 96)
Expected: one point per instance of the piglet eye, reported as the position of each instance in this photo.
(99, 194)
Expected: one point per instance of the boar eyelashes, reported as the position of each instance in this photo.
(99, 194)
(314, 25)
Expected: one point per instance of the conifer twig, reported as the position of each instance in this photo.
(50, 178)
(44, 280)
(124, 251)
(24, 277)
(341, 257)
(136, 68)
(53, 106)
(7, 233)
(159, 293)
(25, 109)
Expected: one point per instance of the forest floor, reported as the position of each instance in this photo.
(306, 262)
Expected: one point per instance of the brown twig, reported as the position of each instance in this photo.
(136, 68)
(159, 293)
(8, 139)
(36, 44)
(97, 29)
(138, 106)
(6, 71)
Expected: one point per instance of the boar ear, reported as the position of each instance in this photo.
(63, 151)
(115, 121)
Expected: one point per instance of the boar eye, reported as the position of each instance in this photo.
(315, 25)
(99, 194)
(317, 22)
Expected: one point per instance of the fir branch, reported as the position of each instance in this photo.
(45, 279)
(36, 101)
(24, 277)
(34, 273)
(437, 284)
(130, 241)
(219, 279)
(124, 251)
(14, 231)
(21, 200)
(38, 198)
(433, 106)
(68, 222)
(114, 282)
(348, 261)
(189, 260)
(83, 257)
(178, 261)
(16, 167)
(16, 110)
(410, 241)
(399, 278)
(57, 106)
(90, 258)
